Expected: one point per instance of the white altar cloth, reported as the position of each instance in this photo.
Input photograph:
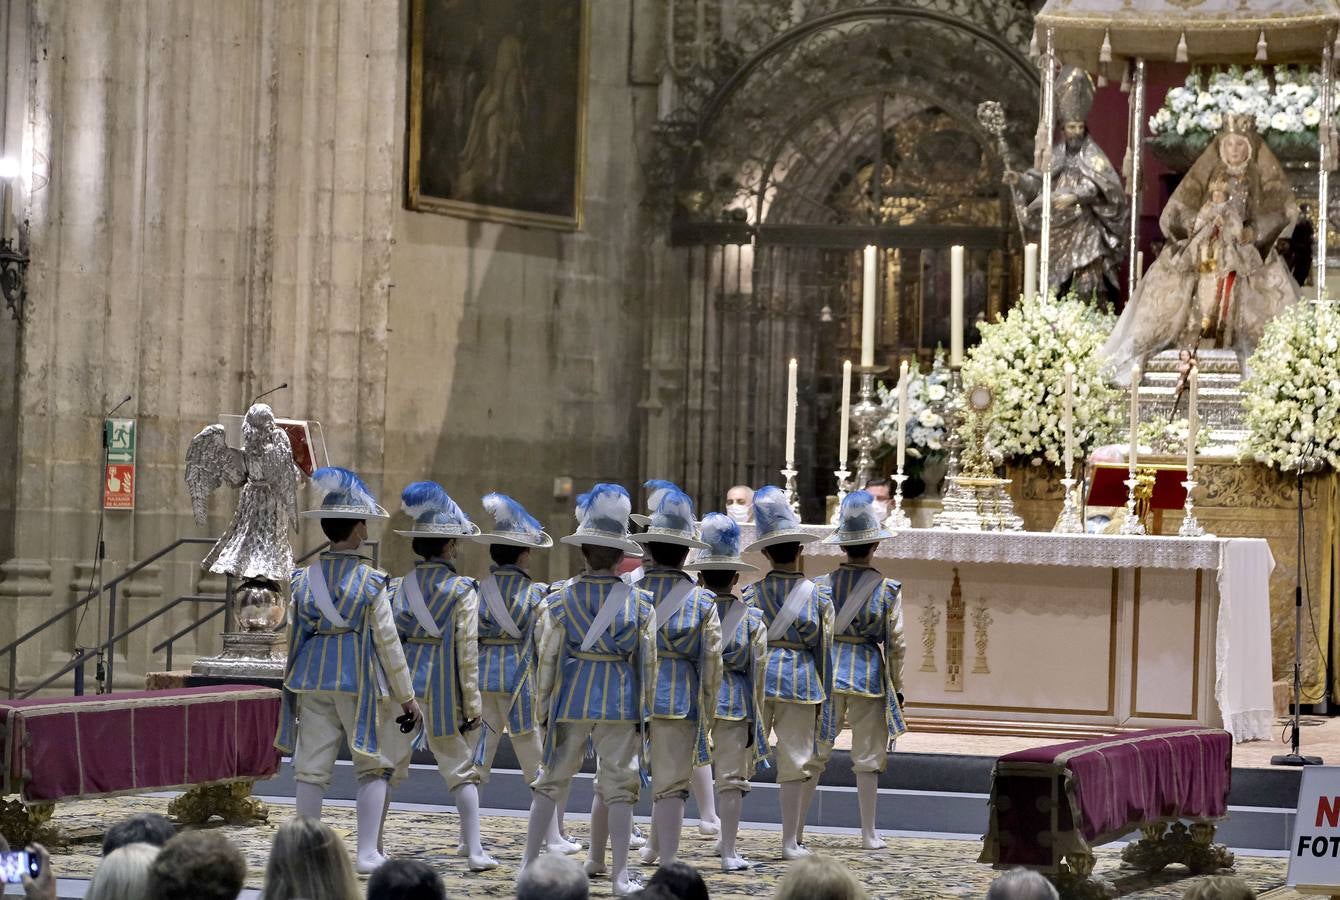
(1241, 632)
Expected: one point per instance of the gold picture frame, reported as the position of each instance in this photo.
(489, 106)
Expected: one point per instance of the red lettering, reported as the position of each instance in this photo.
(1328, 808)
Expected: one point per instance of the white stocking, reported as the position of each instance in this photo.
(867, 792)
(600, 833)
(730, 802)
(308, 799)
(806, 799)
(620, 831)
(541, 814)
(667, 818)
(467, 807)
(792, 797)
(702, 787)
(369, 803)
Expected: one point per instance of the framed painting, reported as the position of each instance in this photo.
(497, 110)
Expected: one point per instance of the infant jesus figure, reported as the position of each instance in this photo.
(1221, 251)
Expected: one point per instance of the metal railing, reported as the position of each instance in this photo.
(83, 655)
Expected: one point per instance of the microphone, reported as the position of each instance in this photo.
(272, 390)
(124, 401)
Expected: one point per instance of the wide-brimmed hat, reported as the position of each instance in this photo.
(721, 534)
(513, 525)
(775, 522)
(672, 521)
(343, 496)
(655, 487)
(434, 513)
(602, 519)
(857, 521)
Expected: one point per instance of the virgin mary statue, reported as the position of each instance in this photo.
(1218, 281)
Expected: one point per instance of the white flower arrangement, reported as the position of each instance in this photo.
(1164, 438)
(1022, 359)
(925, 425)
(1287, 111)
(1292, 399)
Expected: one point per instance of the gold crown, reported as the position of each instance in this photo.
(1239, 124)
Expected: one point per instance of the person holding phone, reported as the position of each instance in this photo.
(437, 617)
(345, 676)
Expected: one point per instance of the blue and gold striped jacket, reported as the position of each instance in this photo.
(744, 658)
(868, 654)
(615, 680)
(688, 656)
(799, 662)
(507, 664)
(363, 657)
(446, 668)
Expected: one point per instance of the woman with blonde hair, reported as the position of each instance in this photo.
(308, 860)
(819, 878)
(123, 874)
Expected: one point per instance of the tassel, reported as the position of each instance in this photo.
(1126, 78)
(1102, 80)
(1182, 55)
(1261, 54)
(1034, 51)
(1105, 51)
(481, 746)
(590, 748)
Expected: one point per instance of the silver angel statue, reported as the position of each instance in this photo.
(256, 546)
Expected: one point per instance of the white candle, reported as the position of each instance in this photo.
(1030, 270)
(868, 280)
(1139, 265)
(1135, 417)
(1069, 421)
(846, 405)
(902, 415)
(791, 415)
(1192, 424)
(956, 305)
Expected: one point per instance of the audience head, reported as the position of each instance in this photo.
(1021, 884)
(405, 879)
(553, 877)
(123, 873)
(680, 881)
(819, 878)
(307, 860)
(144, 828)
(1220, 887)
(197, 865)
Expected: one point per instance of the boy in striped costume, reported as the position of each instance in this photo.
(597, 677)
(510, 609)
(799, 678)
(738, 740)
(688, 661)
(341, 638)
(437, 616)
(867, 654)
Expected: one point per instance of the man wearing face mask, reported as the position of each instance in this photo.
(878, 488)
(740, 503)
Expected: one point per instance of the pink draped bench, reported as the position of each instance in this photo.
(213, 742)
(1050, 806)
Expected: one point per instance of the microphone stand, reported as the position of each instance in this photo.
(100, 669)
(1293, 757)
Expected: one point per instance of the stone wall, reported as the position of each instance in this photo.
(215, 197)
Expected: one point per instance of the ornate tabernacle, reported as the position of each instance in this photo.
(1050, 806)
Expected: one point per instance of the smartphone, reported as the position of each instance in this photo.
(17, 863)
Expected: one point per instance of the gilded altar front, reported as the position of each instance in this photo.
(1236, 499)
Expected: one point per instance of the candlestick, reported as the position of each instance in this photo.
(1069, 521)
(789, 490)
(791, 415)
(1135, 419)
(1190, 526)
(1069, 457)
(897, 519)
(902, 414)
(1192, 422)
(1030, 271)
(1131, 524)
(846, 411)
(843, 477)
(956, 305)
(1139, 266)
(866, 414)
(868, 281)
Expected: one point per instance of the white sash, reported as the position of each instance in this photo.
(860, 595)
(316, 583)
(795, 602)
(734, 616)
(614, 602)
(410, 588)
(672, 602)
(634, 576)
(493, 599)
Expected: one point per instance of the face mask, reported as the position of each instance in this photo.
(881, 509)
(739, 512)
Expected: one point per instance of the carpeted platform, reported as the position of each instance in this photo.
(911, 867)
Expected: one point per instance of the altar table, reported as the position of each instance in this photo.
(1055, 804)
(126, 743)
(1077, 635)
